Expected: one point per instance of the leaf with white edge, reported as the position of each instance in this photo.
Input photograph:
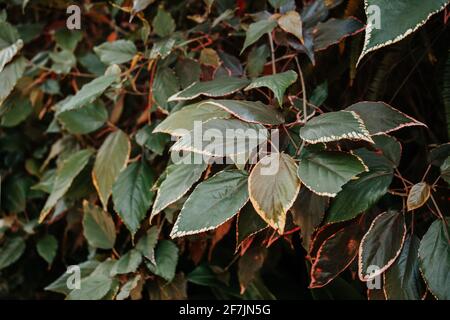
(434, 259)
(380, 117)
(146, 245)
(47, 247)
(128, 287)
(11, 73)
(250, 111)
(111, 159)
(166, 256)
(85, 119)
(256, 30)
(273, 187)
(225, 138)
(388, 24)
(389, 147)
(215, 88)
(127, 263)
(381, 245)
(65, 174)
(361, 194)
(418, 196)
(98, 227)
(212, 203)
(131, 194)
(248, 223)
(402, 281)
(291, 22)
(179, 180)
(116, 52)
(278, 83)
(334, 31)
(181, 122)
(8, 53)
(88, 93)
(335, 126)
(325, 172)
(140, 5)
(11, 250)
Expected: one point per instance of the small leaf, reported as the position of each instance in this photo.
(434, 259)
(131, 194)
(335, 126)
(147, 244)
(212, 203)
(248, 224)
(445, 170)
(127, 263)
(418, 196)
(63, 61)
(382, 244)
(128, 287)
(256, 30)
(68, 39)
(278, 83)
(111, 159)
(291, 22)
(117, 52)
(273, 188)
(209, 57)
(166, 255)
(390, 147)
(11, 250)
(334, 31)
(155, 142)
(256, 60)
(214, 88)
(163, 23)
(380, 117)
(98, 227)
(8, 53)
(47, 247)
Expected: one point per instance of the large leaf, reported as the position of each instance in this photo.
(166, 256)
(182, 121)
(335, 126)
(116, 52)
(325, 172)
(66, 173)
(381, 245)
(11, 250)
(8, 53)
(111, 159)
(278, 83)
(212, 203)
(394, 24)
(402, 281)
(180, 179)
(334, 31)
(418, 196)
(380, 117)
(249, 111)
(214, 88)
(434, 259)
(256, 30)
(273, 188)
(359, 195)
(224, 138)
(84, 120)
(98, 227)
(9, 77)
(131, 194)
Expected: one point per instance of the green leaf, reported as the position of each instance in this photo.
(111, 159)
(249, 111)
(63, 61)
(127, 263)
(256, 30)
(402, 281)
(155, 142)
(147, 244)
(381, 245)
(325, 172)
(380, 117)
(166, 260)
(128, 287)
(389, 147)
(445, 170)
(68, 39)
(394, 24)
(47, 248)
(10, 75)
(140, 5)
(163, 23)
(229, 138)
(215, 88)
(182, 121)
(278, 83)
(212, 203)
(65, 174)
(188, 71)
(162, 48)
(434, 259)
(361, 194)
(278, 3)
(334, 31)
(98, 227)
(85, 119)
(165, 85)
(11, 250)
(248, 223)
(180, 179)
(256, 60)
(8, 34)
(131, 194)
(273, 188)
(15, 110)
(8, 53)
(418, 196)
(291, 22)
(117, 52)
(335, 126)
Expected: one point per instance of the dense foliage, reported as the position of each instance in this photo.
(356, 95)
